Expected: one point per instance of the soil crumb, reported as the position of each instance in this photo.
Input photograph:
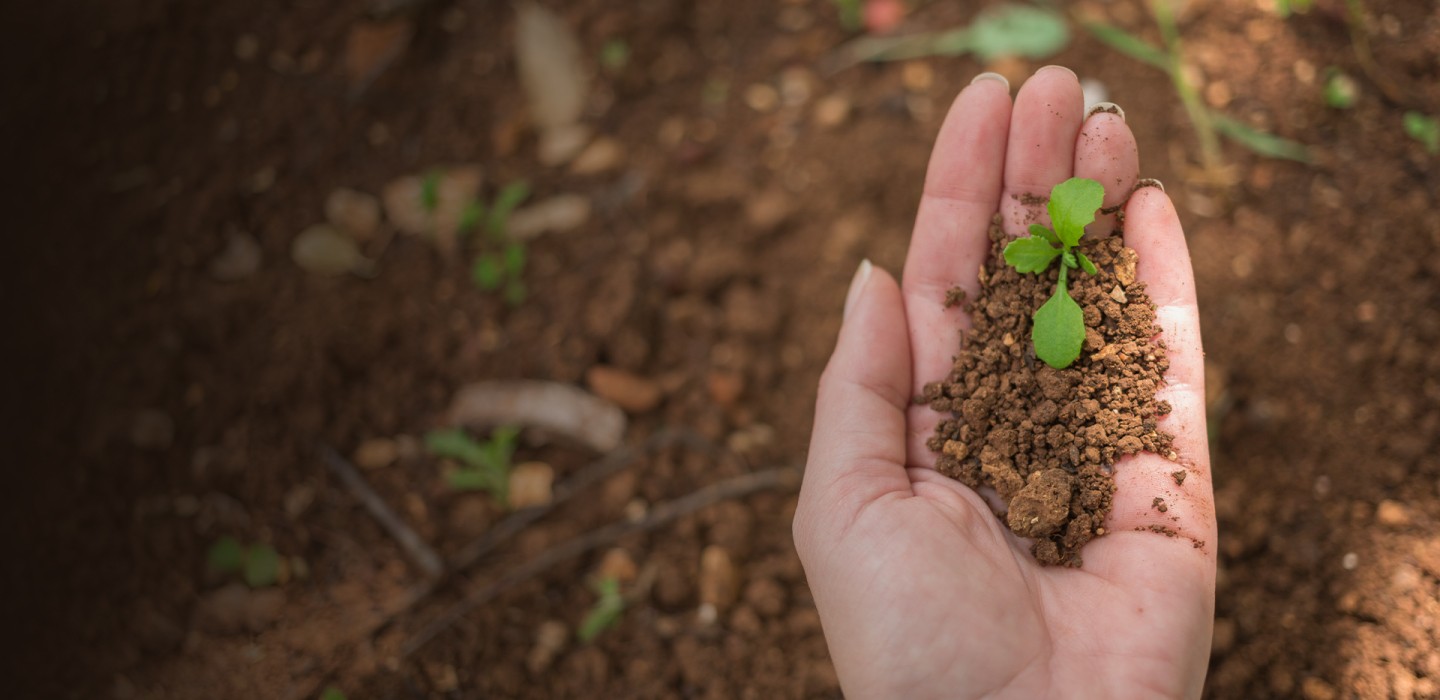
(1045, 439)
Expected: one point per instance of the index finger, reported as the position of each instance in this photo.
(950, 240)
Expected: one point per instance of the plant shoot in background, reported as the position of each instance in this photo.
(500, 264)
(1058, 330)
(1425, 129)
(605, 612)
(258, 564)
(484, 466)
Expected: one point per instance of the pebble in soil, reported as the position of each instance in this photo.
(1047, 440)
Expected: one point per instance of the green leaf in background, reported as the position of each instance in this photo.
(262, 566)
(606, 611)
(1017, 30)
(1129, 44)
(1059, 328)
(516, 292)
(1424, 129)
(1045, 233)
(430, 191)
(514, 259)
(1260, 142)
(470, 217)
(1072, 207)
(468, 480)
(1340, 89)
(332, 693)
(505, 202)
(486, 272)
(1285, 7)
(1031, 254)
(1085, 264)
(455, 443)
(849, 14)
(614, 55)
(226, 556)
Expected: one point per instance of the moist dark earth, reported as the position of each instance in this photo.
(156, 408)
(1046, 439)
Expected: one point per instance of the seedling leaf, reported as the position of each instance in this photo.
(1031, 254)
(1068, 257)
(1340, 89)
(505, 202)
(606, 611)
(1045, 233)
(1424, 129)
(1017, 30)
(332, 693)
(1059, 328)
(1260, 142)
(262, 566)
(487, 273)
(470, 216)
(614, 55)
(430, 191)
(1129, 44)
(226, 555)
(1085, 264)
(454, 443)
(1072, 207)
(514, 259)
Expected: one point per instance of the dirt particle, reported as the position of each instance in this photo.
(1042, 506)
(1159, 504)
(1178, 476)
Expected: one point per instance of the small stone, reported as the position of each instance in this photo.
(1159, 504)
(560, 145)
(761, 97)
(1125, 266)
(769, 209)
(236, 608)
(1350, 561)
(550, 639)
(602, 154)
(1178, 476)
(376, 453)
(1392, 514)
(238, 260)
(631, 392)
(831, 111)
(1118, 295)
(917, 76)
(719, 585)
(725, 387)
(354, 213)
(557, 214)
(371, 47)
(531, 484)
(617, 564)
(152, 429)
(1041, 506)
(1316, 689)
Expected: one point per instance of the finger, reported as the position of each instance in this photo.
(1152, 229)
(950, 240)
(1105, 152)
(857, 449)
(1041, 152)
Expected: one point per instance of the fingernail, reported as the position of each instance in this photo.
(1149, 182)
(1057, 66)
(991, 76)
(856, 286)
(1107, 107)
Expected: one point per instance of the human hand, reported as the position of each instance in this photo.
(921, 590)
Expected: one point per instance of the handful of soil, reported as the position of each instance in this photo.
(1045, 439)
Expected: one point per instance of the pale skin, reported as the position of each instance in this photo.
(921, 590)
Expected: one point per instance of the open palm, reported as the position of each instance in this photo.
(922, 591)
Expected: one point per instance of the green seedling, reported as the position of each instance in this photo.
(849, 14)
(1209, 126)
(485, 466)
(1340, 90)
(1023, 31)
(1059, 326)
(500, 264)
(605, 612)
(1285, 8)
(430, 191)
(332, 693)
(258, 564)
(1423, 128)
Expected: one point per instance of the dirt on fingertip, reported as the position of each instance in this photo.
(1047, 440)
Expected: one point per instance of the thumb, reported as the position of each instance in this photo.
(857, 448)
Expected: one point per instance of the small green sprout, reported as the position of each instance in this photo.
(430, 191)
(1059, 325)
(485, 466)
(1340, 89)
(332, 693)
(1423, 128)
(615, 55)
(503, 268)
(605, 612)
(850, 15)
(258, 564)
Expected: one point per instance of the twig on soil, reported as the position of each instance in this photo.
(415, 547)
(783, 477)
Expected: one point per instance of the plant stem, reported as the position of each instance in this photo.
(1210, 156)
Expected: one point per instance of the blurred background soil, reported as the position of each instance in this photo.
(173, 370)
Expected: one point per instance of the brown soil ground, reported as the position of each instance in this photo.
(716, 260)
(1045, 439)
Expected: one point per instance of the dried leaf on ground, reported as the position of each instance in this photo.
(561, 408)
